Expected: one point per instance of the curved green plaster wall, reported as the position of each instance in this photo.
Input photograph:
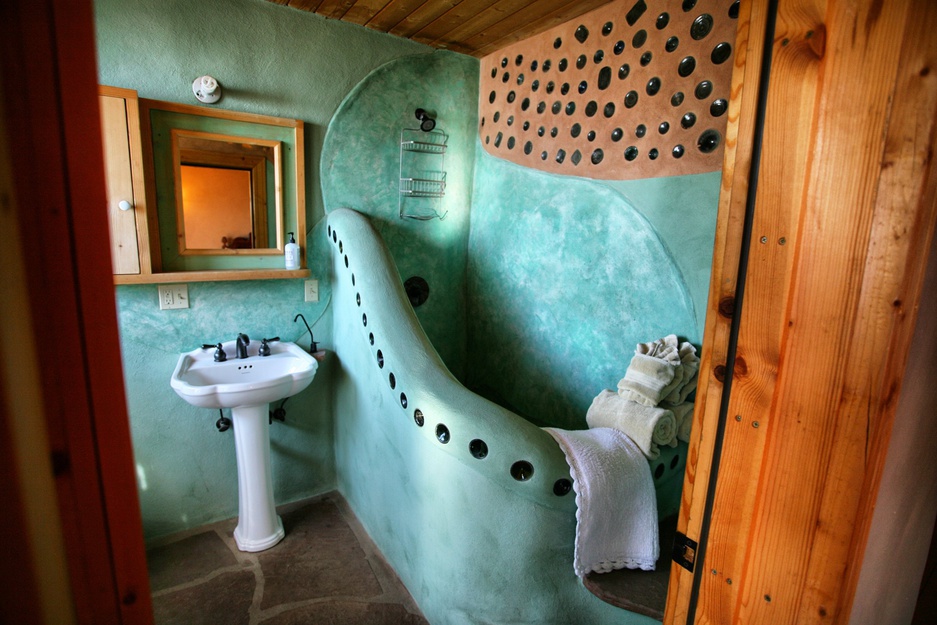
(682, 210)
(565, 277)
(272, 60)
(558, 277)
(472, 544)
(361, 170)
(540, 285)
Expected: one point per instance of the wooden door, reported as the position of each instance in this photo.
(826, 217)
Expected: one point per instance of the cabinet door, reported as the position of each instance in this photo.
(124, 177)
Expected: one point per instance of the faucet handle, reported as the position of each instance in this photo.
(220, 355)
(264, 349)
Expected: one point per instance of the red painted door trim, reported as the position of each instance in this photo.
(47, 56)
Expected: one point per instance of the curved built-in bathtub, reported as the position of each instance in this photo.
(470, 502)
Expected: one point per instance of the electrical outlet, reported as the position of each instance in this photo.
(173, 296)
(312, 290)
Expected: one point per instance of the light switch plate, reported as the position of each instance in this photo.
(312, 290)
(173, 296)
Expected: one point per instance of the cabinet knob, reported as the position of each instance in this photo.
(124, 205)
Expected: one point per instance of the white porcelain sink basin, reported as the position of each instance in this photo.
(251, 381)
(247, 386)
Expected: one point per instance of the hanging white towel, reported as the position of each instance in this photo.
(616, 514)
(647, 426)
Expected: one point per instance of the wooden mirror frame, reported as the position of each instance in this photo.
(229, 152)
(247, 264)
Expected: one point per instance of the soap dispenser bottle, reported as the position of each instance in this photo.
(292, 253)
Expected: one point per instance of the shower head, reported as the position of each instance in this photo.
(427, 123)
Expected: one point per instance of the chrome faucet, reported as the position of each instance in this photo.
(242, 344)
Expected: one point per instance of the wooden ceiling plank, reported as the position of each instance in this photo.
(334, 9)
(526, 23)
(453, 18)
(510, 31)
(424, 15)
(393, 13)
(302, 5)
(485, 18)
(363, 10)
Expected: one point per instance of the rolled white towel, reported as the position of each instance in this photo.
(679, 396)
(666, 348)
(647, 426)
(647, 380)
(676, 394)
(684, 417)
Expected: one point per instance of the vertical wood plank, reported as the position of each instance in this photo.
(904, 213)
(827, 396)
(145, 222)
(123, 226)
(844, 214)
(34, 585)
(785, 152)
(721, 310)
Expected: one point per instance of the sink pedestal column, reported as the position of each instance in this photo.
(258, 527)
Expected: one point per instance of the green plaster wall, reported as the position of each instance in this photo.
(186, 469)
(472, 544)
(682, 210)
(547, 283)
(361, 170)
(270, 60)
(567, 274)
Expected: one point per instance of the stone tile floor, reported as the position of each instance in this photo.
(326, 570)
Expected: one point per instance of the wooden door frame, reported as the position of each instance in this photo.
(892, 205)
(724, 308)
(49, 79)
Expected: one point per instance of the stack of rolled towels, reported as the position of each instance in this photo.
(651, 404)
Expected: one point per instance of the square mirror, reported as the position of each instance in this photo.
(227, 187)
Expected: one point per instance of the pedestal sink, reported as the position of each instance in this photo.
(247, 386)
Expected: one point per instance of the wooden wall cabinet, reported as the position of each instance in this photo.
(126, 192)
(133, 216)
